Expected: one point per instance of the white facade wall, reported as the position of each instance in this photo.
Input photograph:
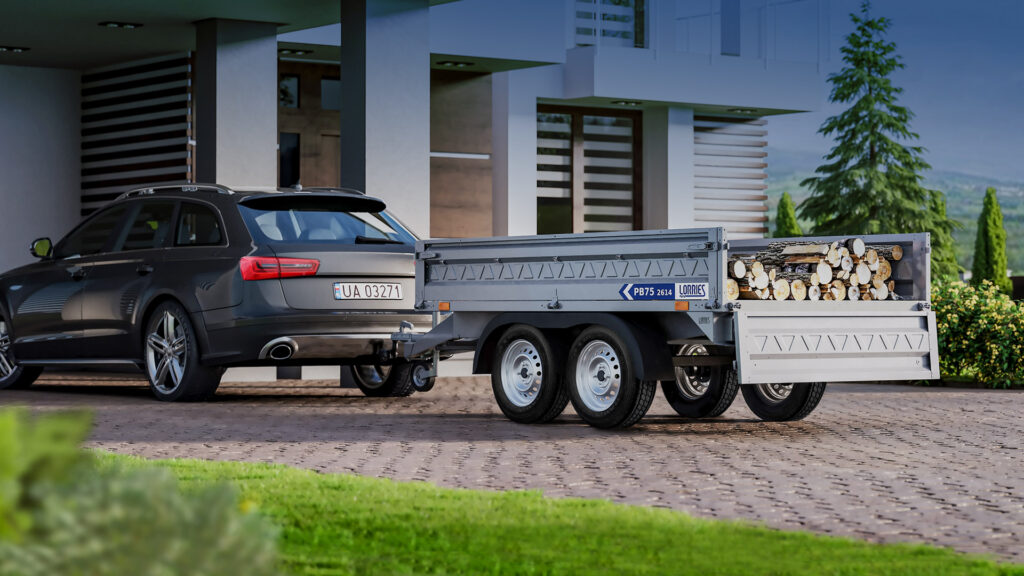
(668, 167)
(39, 158)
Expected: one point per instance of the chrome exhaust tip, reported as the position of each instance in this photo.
(281, 352)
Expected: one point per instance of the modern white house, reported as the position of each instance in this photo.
(469, 117)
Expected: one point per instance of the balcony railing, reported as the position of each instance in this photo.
(786, 30)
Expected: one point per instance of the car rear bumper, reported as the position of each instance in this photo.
(326, 338)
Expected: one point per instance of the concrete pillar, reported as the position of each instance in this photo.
(235, 91)
(385, 104)
(668, 167)
(514, 154)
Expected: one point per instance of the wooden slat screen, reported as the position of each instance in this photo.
(588, 170)
(729, 174)
(136, 127)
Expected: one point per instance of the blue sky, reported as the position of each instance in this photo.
(964, 79)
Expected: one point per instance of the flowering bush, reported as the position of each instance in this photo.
(64, 512)
(980, 333)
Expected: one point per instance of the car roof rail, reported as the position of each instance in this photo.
(183, 187)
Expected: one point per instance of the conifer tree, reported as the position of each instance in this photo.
(990, 245)
(786, 225)
(871, 181)
(944, 265)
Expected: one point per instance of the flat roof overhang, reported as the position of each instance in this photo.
(67, 34)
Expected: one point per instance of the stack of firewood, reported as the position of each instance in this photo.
(794, 270)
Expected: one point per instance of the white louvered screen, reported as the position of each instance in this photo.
(729, 174)
(136, 127)
(607, 173)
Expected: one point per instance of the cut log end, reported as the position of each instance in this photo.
(732, 289)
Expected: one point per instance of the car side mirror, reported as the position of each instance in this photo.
(42, 248)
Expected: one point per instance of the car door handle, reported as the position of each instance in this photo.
(78, 274)
(144, 269)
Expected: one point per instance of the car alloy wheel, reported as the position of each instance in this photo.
(167, 354)
(7, 363)
(371, 376)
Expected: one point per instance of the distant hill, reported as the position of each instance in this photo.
(964, 195)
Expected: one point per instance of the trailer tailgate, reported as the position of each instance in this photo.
(822, 344)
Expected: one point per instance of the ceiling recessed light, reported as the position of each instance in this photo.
(14, 49)
(294, 52)
(743, 110)
(455, 64)
(121, 25)
(627, 102)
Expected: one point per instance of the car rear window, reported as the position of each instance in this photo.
(325, 224)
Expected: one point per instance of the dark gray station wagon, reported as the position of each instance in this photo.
(184, 281)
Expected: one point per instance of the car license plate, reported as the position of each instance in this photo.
(367, 291)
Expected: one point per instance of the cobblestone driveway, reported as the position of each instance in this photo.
(882, 463)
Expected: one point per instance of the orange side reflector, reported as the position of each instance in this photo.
(444, 306)
(682, 305)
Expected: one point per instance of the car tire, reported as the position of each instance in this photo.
(612, 397)
(395, 381)
(783, 402)
(526, 377)
(172, 360)
(13, 376)
(700, 391)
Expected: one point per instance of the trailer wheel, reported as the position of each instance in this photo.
(783, 402)
(600, 380)
(525, 378)
(700, 391)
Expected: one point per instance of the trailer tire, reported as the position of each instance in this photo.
(772, 403)
(701, 392)
(526, 376)
(601, 383)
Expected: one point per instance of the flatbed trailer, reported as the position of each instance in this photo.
(601, 319)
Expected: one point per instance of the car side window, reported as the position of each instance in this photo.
(198, 225)
(93, 236)
(150, 227)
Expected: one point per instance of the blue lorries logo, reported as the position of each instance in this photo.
(677, 291)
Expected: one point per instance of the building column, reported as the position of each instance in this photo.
(385, 104)
(235, 91)
(668, 167)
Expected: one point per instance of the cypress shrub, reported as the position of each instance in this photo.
(786, 225)
(990, 246)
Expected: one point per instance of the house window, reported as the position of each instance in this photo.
(288, 168)
(588, 170)
(288, 91)
(330, 93)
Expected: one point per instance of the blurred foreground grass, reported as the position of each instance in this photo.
(340, 524)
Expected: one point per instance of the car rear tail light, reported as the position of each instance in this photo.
(270, 268)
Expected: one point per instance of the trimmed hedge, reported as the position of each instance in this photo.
(981, 333)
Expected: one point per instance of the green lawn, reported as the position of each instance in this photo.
(337, 524)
